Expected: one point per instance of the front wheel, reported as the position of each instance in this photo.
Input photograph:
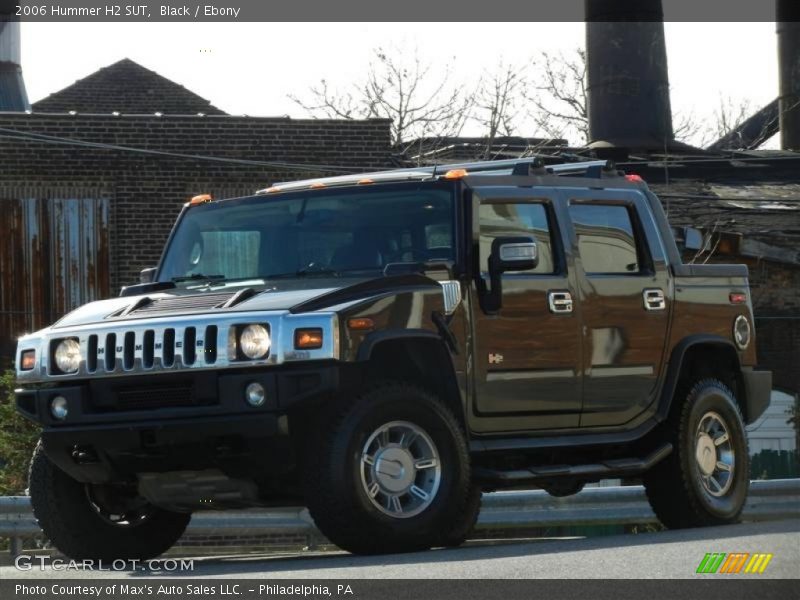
(98, 522)
(391, 473)
(705, 479)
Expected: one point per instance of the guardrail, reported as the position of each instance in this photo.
(501, 511)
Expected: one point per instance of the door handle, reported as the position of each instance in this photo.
(654, 299)
(559, 302)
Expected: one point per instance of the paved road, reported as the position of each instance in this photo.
(669, 554)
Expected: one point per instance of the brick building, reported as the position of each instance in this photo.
(92, 179)
(80, 220)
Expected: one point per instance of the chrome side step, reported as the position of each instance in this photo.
(618, 467)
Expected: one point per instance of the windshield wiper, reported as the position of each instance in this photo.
(196, 277)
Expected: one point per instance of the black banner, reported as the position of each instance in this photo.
(444, 11)
(394, 589)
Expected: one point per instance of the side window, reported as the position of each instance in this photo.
(606, 240)
(501, 220)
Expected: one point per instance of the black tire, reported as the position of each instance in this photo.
(675, 486)
(465, 523)
(337, 497)
(63, 510)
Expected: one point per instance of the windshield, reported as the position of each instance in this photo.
(326, 232)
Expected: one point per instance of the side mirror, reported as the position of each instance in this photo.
(513, 254)
(693, 239)
(508, 254)
(147, 275)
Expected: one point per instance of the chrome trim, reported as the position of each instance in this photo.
(505, 249)
(653, 299)
(742, 333)
(451, 291)
(559, 302)
(281, 327)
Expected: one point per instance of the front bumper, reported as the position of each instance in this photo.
(117, 428)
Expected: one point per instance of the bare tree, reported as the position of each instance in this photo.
(498, 101)
(560, 104)
(725, 118)
(419, 101)
(558, 95)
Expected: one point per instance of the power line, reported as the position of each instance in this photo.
(51, 139)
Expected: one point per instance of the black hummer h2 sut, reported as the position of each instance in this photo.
(384, 347)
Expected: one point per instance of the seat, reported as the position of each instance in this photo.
(362, 253)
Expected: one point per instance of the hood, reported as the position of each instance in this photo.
(295, 295)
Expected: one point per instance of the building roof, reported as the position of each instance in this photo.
(129, 88)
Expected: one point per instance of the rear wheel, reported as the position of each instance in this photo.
(705, 479)
(391, 474)
(99, 522)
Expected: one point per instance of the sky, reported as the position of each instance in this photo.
(251, 68)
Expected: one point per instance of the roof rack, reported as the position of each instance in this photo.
(516, 166)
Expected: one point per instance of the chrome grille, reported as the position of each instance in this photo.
(144, 349)
(176, 343)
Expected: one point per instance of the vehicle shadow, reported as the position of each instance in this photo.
(476, 550)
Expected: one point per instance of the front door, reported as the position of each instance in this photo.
(526, 357)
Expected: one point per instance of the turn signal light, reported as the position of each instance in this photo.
(365, 181)
(27, 360)
(737, 298)
(360, 323)
(307, 339)
(317, 185)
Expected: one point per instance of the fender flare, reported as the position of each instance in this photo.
(675, 366)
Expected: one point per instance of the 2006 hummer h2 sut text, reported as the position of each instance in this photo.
(384, 347)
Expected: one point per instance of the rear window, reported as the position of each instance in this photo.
(606, 239)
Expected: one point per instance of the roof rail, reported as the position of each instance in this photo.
(515, 166)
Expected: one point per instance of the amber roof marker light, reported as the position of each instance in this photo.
(200, 199)
(455, 174)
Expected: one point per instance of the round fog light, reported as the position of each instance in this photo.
(58, 407)
(255, 394)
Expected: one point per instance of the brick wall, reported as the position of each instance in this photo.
(147, 191)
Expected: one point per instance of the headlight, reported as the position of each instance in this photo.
(254, 341)
(68, 355)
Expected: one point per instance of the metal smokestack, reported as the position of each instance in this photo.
(13, 96)
(788, 17)
(627, 79)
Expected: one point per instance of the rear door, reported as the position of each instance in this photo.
(623, 288)
(527, 356)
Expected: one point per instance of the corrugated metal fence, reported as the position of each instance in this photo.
(54, 256)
